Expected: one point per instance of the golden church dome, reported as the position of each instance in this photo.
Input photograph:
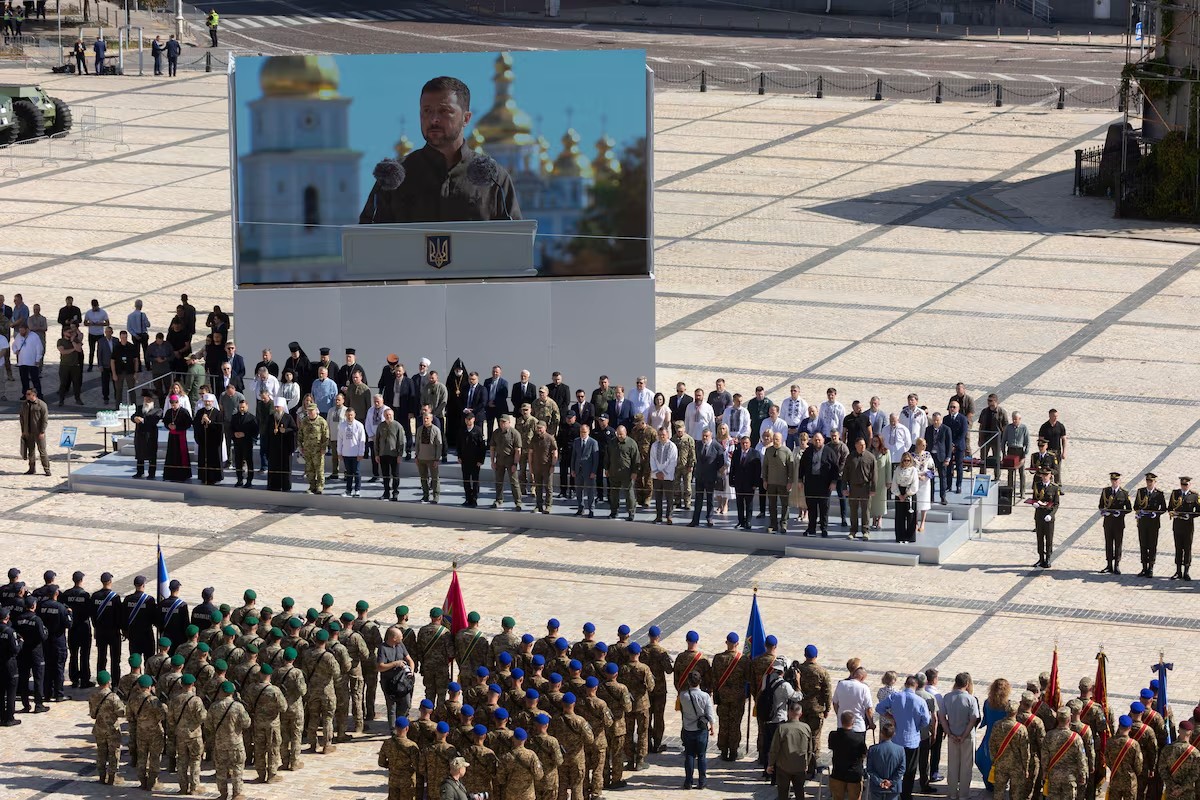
(299, 76)
(505, 123)
(403, 146)
(605, 164)
(571, 163)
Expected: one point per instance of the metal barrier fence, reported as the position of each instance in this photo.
(1087, 172)
(88, 135)
(889, 87)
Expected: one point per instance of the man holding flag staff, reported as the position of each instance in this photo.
(731, 672)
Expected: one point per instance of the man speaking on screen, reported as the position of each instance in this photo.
(444, 181)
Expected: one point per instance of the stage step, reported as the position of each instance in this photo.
(860, 556)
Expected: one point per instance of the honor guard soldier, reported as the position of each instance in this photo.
(1184, 504)
(1148, 506)
(1045, 506)
(1114, 505)
(1124, 757)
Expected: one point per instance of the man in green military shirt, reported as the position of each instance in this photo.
(526, 427)
(777, 476)
(685, 446)
(546, 410)
(640, 682)
(730, 674)
(644, 436)
(505, 444)
(624, 460)
(1179, 765)
(1064, 759)
(543, 456)
(435, 651)
(313, 439)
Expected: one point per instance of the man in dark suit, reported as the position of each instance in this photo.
(523, 391)
(745, 472)
(818, 472)
(495, 390)
(710, 457)
(958, 425)
(474, 398)
(559, 392)
(940, 444)
(620, 410)
(236, 362)
(228, 376)
(679, 402)
(585, 468)
(471, 454)
(585, 412)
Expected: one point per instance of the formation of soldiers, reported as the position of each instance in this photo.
(1148, 505)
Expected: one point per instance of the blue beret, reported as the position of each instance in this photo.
(601, 646)
(479, 730)
(505, 658)
(568, 698)
(442, 727)
(1146, 694)
(589, 627)
(611, 669)
(552, 623)
(401, 722)
(539, 661)
(467, 711)
(574, 665)
(482, 672)
(692, 636)
(518, 673)
(454, 687)
(732, 638)
(499, 713)
(495, 688)
(542, 719)
(561, 643)
(1154, 684)
(624, 630)
(1125, 721)
(531, 694)
(635, 648)
(427, 704)
(771, 641)
(526, 638)
(520, 735)
(591, 682)
(653, 630)
(1136, 707)
(555, 677)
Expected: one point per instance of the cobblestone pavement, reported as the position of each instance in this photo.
(879, 247)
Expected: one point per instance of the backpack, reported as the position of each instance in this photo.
(765, 705)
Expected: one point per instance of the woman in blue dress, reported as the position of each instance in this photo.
(994, 710)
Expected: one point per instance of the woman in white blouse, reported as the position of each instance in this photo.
(723, 493)
(185, 402)
(289, 390)
(904, 489)
(796, 498)
(660, 415)
(923, 461)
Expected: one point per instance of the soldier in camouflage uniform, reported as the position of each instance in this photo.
(505, 446)
(525, 427)
(1092, 714)
(1064, 760)
(1179, 765)
(360, 653)
(1143, 733)
(434, 651)
(505, 642)
(268, 652)
(341, 687)
(481, 773)
(471, 648)
(1037, 736)
(1008, 745)
(435, 759)
(186, 648)
(549, 752)
(640, 682)
(185, 724)
(543, 456)
(106, 708)
(146, 715)
(546, 410)
(730, 673)
(1085, 732)
(500, 738)
(369, 630)
(249, 608)
(313, 440)
(292, 685)
(209, 693)
(574, 734)
(656, 657)
(266, 704)
(168, 683)
(595, 711)
(620, 703)
(321, 674)
(644, 437)
(816, 690)
(126, 688)
(227, 720)
(401, 757)
(160, 661)
(1124, 758)
(520, 770)
(686, 446)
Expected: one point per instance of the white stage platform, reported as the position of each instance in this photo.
(947, 527)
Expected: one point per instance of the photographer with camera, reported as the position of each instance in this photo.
(396, 670)
(780, 685)
(698, 715)
(452, 786)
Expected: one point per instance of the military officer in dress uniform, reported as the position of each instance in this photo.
(1114, 505)
(1149, 505)
(1184, 504)
(1045, 506)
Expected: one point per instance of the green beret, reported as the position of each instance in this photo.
(176, 660)
(287, 602)
(508, 622)
(347, 616)
(164, 641)
(326, 599)
(473, 616)
(229, 630)
(266, 669)
(250, 648)
(265, 611)
(401, 611)
(225, 609)
(135, 659)
(275, 633)
(227, 687)
(295, 622)
(313, 613)
(203, 647)
(322, 635)
(103, 678)
(220, 665)
(334, 626)
(250, 595)
(289, 654)
(188, 680)
(217, 617)
(145, 681)
(190, 631)
(251, 621)
(361, 605)
(435, 612)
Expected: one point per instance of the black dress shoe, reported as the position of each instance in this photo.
(41, 709)
(693, 524)
(1116, 570)
(1106, 570)
(11, 723)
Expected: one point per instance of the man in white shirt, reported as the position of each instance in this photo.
(831, 416)
(699, 417)
(737, 418)
(642, 398)
(896, 439)
(27, 347)
(792, 412)
(770, 426)
(852, 694)
(96, 319)
(664, 457)
(914, 418)
(352, 445)
(268, 382)
(371, 424)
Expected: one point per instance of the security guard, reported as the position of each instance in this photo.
(30, 661)
(57, 619)
(1185, 504)
(1114, 505)
(1149, 505)
(1045, 506)
(140, 614)
(79, 637)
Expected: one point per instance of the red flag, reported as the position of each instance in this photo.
(1100, 695)
(1053, 695)
(454, 607)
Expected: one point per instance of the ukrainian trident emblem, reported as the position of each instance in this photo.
(437, 251)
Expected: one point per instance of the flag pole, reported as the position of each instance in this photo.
(753, 690)
(453, 571)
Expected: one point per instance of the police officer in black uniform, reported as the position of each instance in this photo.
(140, 614)
(12, 592)
(48, 588)
(57, 619)
(202, 614)
(1185, 504)
(106, 616)
(10, 648)
(79, 636)
(31, 662)
(173, 617)
(1149, 505)
(1114, 505)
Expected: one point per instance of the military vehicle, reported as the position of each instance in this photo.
(8, 124)
(36, 113)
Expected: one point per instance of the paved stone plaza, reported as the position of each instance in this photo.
(879, 247)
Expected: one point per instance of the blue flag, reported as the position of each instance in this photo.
(756, 638)
(1162, 668)
(164, 579)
